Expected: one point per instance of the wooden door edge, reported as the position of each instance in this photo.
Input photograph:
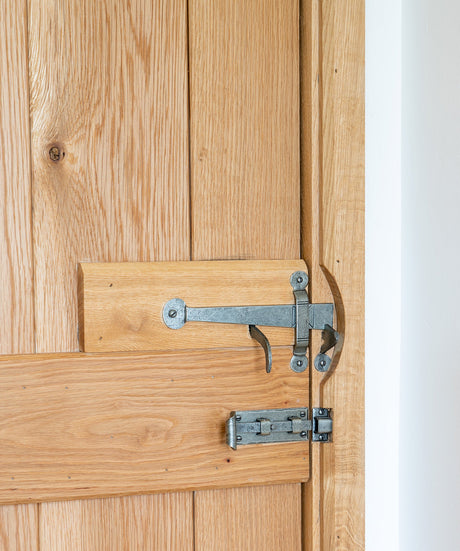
(332, 198)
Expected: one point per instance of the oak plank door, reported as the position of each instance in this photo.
(152, 130)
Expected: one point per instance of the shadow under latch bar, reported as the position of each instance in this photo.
(301, 316)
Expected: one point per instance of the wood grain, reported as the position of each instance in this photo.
(244, 129)
(18, 524)
(16, 265)
(118, 524)
(311, 216)
(78, 425)
(250, 519)
(332, 53)
(244, 160)
(343, 259)
(121, 304)
(109, 91)
(19, 528)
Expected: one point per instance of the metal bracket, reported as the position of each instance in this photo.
(302, 316)
(278, 425)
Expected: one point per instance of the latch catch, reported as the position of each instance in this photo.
(302, 316)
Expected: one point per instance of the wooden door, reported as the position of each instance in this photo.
(152, 130)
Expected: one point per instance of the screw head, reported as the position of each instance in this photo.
(238, 417)
(302, 414)
(172, 313)
(299, 364)
(322, 362)
(239, 438)
(298, 280)
(303, 434)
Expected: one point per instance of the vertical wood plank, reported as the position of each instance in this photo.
(19, 528)
(109, 100)
(249, 519)
(342, 255)
(244, 147)
(333, 245)
(311, 172)
(18, 524)
(119, 524)
(110, 183)
(244, 129)
(16, 266)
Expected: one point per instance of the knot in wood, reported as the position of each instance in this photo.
(55, 153)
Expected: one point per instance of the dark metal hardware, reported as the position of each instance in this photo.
(302, 316)
(278, 425)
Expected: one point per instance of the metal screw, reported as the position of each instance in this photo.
(172, 313)
(303, 434)
(238, 417)
(299, 279)
(302, 414)
(299, 363)
(322, 436)
(239, 438)
(321, 411)
(322, 363)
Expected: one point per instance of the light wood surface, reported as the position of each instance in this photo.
(18, 524)
(81, 425)
(120, 193)
(19, 528)
(109, 89)
(342, 208)
(244, 129)
(311, 150)
(118, 524)
(244, 161)
(249, 519)
(121, 304)
(333, 246)
(16, 264)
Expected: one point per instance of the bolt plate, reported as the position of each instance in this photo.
(250, 427)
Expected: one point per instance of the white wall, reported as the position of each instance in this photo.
(430, 367)
(413, 208)
(383, 270)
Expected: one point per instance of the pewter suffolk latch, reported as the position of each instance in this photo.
(302, 316)
(278, 425)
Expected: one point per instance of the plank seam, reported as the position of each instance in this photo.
(189, 139)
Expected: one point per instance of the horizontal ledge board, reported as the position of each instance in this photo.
(92, 425)
(121, 304)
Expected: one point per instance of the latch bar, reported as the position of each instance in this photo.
(269, 316)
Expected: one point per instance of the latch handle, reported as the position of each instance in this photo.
(257, 334)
